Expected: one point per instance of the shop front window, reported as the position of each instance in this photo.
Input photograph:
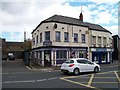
(96, 59)
(61, 54)
(80, 54)
(103, 57)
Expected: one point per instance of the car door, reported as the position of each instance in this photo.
(89, 65)
(82, 65)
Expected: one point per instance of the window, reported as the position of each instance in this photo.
(75, 37)
(99, 41)
(104, 41)
(57, 35)
(110, 42)
(47, 35)
(66, 37)
(61, 54)
(40, 37)
(33, 41)
(94, 40)
(82, 61)
(40, 54)
(69, 61)
(37, 39)
(83, 38)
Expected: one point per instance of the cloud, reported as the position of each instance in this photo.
(113, 29)
(104, 1)
(25, 15)
(103, 18)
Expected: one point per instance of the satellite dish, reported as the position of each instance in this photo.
(55, 26)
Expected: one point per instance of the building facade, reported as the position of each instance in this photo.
(59, 37)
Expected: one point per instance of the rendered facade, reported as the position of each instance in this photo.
(59, 38)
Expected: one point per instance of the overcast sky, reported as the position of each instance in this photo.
(17, 16)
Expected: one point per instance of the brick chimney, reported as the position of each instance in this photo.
(81, 16)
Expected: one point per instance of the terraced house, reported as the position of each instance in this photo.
(60, 37)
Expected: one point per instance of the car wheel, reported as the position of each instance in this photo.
(76, 71)
(96, 70)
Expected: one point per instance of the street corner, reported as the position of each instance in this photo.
(98, 81)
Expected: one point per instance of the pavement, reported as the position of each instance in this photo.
(35, 66)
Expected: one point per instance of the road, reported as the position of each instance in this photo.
(16, 75)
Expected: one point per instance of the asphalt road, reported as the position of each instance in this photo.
(16, 75)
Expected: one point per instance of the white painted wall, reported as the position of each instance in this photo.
(67, 28)
(101, 34)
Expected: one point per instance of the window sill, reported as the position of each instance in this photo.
(57, 41)
(66, 41)
(75, 42)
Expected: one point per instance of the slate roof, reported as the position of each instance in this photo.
(72, 21)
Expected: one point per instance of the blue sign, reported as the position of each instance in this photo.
(101, 49)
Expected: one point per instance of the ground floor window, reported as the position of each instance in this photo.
(95, 58)
(99, 57)
(61, 54)
(103, 57)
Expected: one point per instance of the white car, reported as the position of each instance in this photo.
(77, 65)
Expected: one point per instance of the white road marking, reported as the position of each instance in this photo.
(28, 81)
(19, 81)
(52, 78)
(41, 80)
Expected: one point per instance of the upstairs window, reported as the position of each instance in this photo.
(75, 37)
(93, 40)
(47, 35)
(110, 43)
(104, 41)
(40, 37)
(33, 41)
(99, 41)
(57, 36)
(66, 37)
(83, 38)
(37, 39)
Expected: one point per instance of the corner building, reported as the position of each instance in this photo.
(60, 37)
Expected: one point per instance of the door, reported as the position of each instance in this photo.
(90, 66)
(82, 65)
(47, 58)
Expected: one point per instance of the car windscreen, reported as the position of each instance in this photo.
(69, 61)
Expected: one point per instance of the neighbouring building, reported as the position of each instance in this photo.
(116, 47)
(16, 48)
(60, 37)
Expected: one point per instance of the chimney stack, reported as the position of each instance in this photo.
(81, 15)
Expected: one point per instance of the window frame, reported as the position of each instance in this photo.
(47, 38)
(57, 36)
(83, 38)
(76, 37)
(40, 37)
(66, 37)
